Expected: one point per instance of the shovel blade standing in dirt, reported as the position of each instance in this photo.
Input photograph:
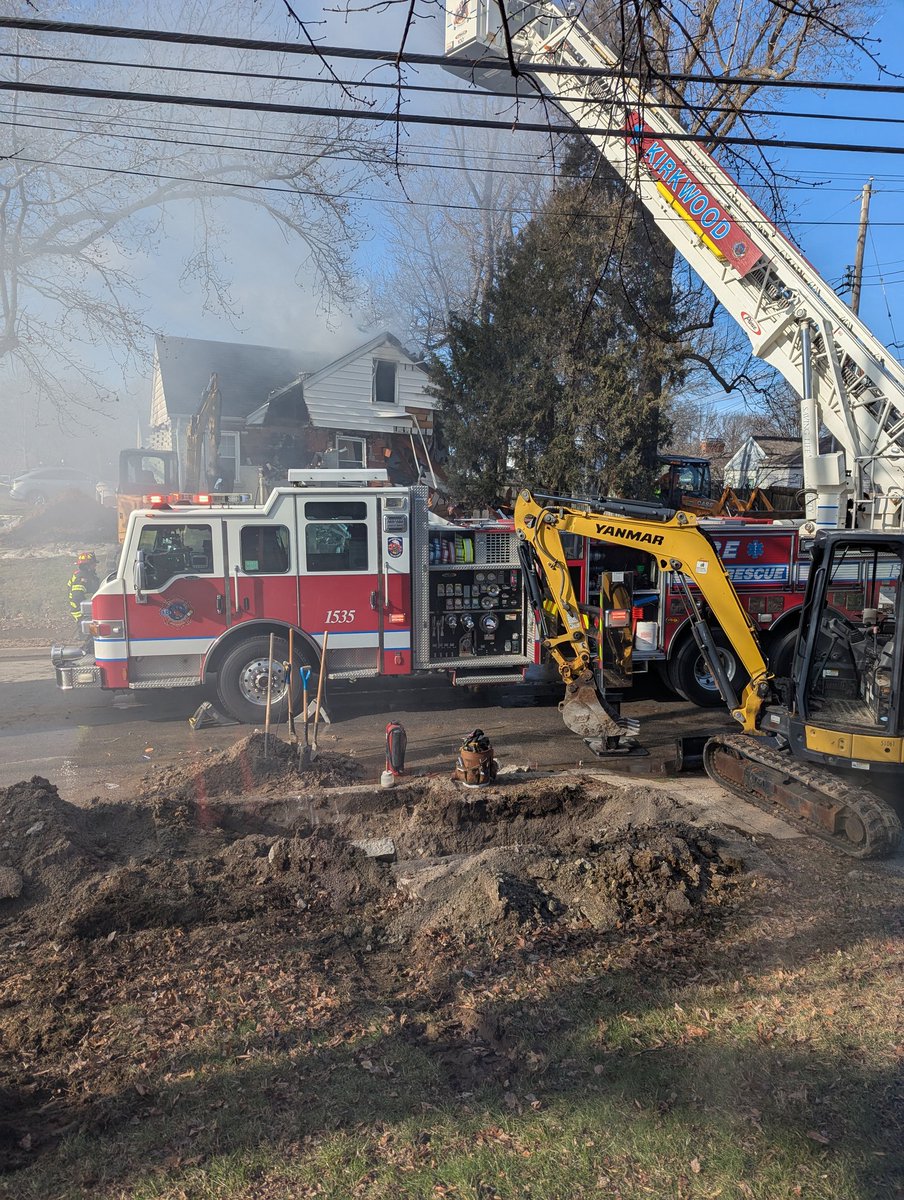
(306, 749)
(319, 693)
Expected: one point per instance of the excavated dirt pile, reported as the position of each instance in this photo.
(396, 866)
(248, 766)
(127, 927)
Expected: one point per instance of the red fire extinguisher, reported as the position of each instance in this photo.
(396, 742)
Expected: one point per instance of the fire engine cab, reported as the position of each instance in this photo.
(200, 587)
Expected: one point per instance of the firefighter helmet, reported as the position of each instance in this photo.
(87, 558)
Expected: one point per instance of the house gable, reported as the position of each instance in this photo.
(341, 396)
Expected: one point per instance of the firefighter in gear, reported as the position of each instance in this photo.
(83, 583)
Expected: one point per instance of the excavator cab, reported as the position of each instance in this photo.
(684, 480)
(847, 708)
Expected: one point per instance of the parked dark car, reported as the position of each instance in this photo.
(47, 483)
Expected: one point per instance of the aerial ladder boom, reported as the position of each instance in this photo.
(847, 380)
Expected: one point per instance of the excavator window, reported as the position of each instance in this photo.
(851, 679)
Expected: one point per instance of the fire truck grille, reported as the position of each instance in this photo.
(497, 548)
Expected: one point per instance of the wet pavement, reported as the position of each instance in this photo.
(91, 744)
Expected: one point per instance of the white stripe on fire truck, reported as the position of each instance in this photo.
(110, 649)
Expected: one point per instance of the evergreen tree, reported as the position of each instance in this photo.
(549, 383)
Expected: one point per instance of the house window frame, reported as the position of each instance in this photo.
(235, 437)
(386, 362)
(361, 460)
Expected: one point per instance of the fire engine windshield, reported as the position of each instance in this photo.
(175, 549)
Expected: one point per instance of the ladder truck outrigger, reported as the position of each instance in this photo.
(841, 710)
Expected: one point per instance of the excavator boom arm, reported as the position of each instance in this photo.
(679, 545)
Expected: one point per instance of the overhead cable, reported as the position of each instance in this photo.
(433, 89)
(399, 118)
(238, 185)
(398, 58)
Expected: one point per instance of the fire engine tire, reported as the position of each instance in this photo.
(780, 653)
(690, 678)
(242, 680)
(663, 674)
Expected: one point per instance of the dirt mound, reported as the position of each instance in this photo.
(251, 877)
(242, 768)
(43, 850)
(653, 874)
(569, 854)
(73, 516)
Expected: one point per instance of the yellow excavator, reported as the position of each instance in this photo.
(825, 748)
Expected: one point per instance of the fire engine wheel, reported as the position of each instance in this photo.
(242, 680)
(690, 676)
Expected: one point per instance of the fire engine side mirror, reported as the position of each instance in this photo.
(141, 577)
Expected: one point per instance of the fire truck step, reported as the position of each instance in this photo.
(460, 680)
(165, 681)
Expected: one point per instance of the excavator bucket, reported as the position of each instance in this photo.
(587, 713)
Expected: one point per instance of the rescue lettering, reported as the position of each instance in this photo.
(630, 535)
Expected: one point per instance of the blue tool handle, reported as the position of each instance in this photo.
(305, 675)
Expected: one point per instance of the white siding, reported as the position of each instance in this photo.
(159, 414)
(749, 467)
(343, 398)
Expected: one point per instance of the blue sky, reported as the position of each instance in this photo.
(824, 205)
(276, 310)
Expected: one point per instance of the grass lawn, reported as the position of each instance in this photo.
(756, 1053)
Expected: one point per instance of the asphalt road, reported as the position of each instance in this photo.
(92, 745)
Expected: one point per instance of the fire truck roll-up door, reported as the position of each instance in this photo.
(181, 610)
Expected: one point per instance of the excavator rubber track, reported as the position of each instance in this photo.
(846, 816)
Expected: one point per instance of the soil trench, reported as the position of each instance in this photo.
(422, 856)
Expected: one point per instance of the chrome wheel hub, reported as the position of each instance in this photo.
(253, 681)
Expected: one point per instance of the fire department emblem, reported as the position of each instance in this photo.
(394, 547)
(756, 549)
(739, 249)
(177, 612)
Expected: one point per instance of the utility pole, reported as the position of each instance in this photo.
(861, 244)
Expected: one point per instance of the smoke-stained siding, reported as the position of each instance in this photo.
(341, 395)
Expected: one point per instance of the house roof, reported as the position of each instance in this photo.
(784, 451)
(358, 415)
(246, 374)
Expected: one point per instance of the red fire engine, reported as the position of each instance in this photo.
(200, 588)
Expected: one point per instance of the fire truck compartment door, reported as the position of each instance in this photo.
(263, 574)
(182, 610)
(340, 577)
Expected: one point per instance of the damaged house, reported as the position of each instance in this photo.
(278, 408)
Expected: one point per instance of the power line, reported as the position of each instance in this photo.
(396, 58)
(512, 156)
(286, 150)
(399, 118)
(320, 194)
(433, 89)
